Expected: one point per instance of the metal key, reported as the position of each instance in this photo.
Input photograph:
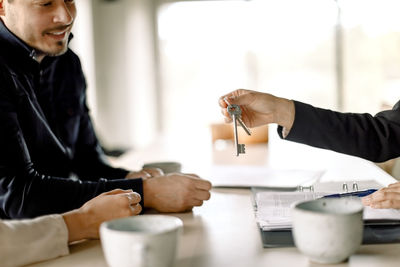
(235, 112)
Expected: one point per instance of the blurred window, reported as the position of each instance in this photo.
(208, 48)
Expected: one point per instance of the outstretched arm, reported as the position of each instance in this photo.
(376, 138)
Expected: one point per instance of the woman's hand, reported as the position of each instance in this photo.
(84, 223)
(259, 108)
(384, 198)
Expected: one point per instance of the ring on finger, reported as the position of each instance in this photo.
(132, 207)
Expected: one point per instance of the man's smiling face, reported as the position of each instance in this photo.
(42, 24)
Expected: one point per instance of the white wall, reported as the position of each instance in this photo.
(120, 54)
(82, 44)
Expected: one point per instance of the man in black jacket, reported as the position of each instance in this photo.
(46, 135)
(376, 138)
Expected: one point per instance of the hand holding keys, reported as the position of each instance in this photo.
(235, 112)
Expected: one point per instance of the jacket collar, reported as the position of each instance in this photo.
(18, 47)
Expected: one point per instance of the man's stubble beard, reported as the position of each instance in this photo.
(54, 53)
(63, 51)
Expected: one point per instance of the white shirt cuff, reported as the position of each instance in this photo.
(285, 132)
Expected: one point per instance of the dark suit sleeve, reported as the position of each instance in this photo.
(375, 138)
(26, 193)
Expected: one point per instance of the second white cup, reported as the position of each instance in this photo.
(328, 230)
(165, 166)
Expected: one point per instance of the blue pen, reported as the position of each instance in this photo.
(353, 194)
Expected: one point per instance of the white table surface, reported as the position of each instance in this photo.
(223, 232)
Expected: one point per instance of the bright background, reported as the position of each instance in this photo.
(156, 68)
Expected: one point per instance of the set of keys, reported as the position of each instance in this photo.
(236, 114)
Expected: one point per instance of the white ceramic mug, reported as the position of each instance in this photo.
(328, 230)
(140, 241)
(165, 166)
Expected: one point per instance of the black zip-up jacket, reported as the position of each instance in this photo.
(46, 135)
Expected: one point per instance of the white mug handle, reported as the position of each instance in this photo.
(139, 255)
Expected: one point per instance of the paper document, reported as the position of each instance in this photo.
(258, 176)
(273, 209)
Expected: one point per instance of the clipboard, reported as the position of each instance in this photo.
(375, 232)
